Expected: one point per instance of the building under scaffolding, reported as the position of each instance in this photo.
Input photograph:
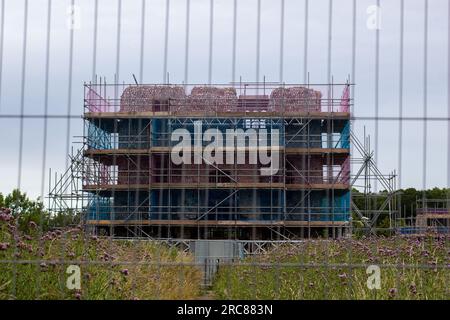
(432, 216)
(283, 174)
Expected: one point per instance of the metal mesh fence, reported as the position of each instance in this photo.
(350, 201)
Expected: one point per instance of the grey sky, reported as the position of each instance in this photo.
(341, 62)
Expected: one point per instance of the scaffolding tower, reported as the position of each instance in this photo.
(128, 184)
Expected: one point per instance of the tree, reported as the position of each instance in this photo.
(25, 210)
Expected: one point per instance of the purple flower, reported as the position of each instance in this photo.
(4, 245)
(32, 225)
(342, 276)
(125, 272)
(5, 217)
(392, 292)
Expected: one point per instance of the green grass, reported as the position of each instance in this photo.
(410, 269)
(34, 267)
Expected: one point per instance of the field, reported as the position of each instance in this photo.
(34, 266)
(413, 268)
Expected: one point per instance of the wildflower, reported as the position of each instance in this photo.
(5, 217)
(48, 236)
(4, 245)
(78, 295)
(392, 292)
(32, 225)
(125, 272)
(43, 265)
(413, 288)
(21, 245)
(28, 237)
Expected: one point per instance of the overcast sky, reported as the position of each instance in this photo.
(437, 141)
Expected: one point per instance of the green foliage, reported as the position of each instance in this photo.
(407, 197)
(27, 211)
(411, 268)
(35, 267)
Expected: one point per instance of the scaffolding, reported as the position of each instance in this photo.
(432, 216)
(128, 185)
(375, 211)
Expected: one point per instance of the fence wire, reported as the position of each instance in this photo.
(393, 57)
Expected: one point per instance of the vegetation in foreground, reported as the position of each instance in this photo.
(410, 268)
(36, 248)
(34, 266)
